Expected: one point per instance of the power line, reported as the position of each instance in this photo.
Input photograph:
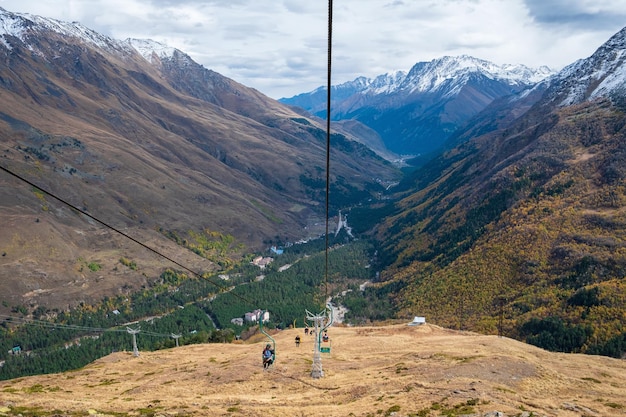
(42, 323)
(133, 332)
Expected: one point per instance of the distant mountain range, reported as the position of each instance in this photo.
(416, 112)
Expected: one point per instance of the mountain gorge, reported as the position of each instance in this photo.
(521, 229)
(149, 142)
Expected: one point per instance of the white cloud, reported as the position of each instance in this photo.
(280, 46)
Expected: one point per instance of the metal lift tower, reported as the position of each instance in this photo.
(322, 321)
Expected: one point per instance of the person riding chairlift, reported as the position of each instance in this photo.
(268, 356)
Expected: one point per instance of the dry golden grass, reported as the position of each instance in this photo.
(388, 370)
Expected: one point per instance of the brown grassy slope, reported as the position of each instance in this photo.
(370, 371)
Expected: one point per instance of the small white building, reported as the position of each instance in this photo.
(257, 315)
(418, 321)
(262, 262)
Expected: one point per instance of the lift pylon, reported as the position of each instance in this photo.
(322, 321)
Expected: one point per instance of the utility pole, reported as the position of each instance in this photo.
(319, 320)
(176, 336)
(134, 333)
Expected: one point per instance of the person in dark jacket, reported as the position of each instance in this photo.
(268, 356)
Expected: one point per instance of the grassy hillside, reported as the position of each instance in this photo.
(423, 371)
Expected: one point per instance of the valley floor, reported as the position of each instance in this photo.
(388, 370)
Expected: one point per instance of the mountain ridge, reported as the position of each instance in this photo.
(597, 76)
(415, 112)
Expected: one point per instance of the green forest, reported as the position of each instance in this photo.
(184, 309)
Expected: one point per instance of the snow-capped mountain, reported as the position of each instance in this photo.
(416, 112)
(28, 28)
(432, 76)
(51, 39)
(601, 75)
(24, 26)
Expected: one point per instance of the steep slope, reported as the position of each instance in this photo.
(416, 112)
(527, 221)
(388, 370)
(152, 147)
(601, 75)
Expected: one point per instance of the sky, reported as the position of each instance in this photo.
(280, 47)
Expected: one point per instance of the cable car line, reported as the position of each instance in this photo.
(328, 88)
(51, 325)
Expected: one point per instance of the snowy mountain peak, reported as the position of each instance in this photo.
(27, 27)
(21, 25)
(388, 82)
(149, 49)
(430, 76)
(600, 75)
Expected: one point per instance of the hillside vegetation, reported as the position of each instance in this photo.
(521, 232)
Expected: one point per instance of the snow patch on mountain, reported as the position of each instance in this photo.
(149, 49)
(157, 52)
(600, 75)
(19, 25)
(10, 24)
(387, 83)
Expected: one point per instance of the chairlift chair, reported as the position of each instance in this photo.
(270, 338)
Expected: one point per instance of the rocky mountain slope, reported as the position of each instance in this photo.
(388, 370)
(521, 229)
(141, 137)
(416, 112)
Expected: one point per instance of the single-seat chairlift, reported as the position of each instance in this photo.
(323, 340)
(270, 338)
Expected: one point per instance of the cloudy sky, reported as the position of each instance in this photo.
(280, 46)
